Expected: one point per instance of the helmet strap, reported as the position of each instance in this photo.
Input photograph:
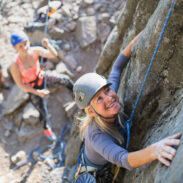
(100, 116)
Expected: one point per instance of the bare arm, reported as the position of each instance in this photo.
(17, 78)
(127, 50)
(162, 151)
(49, 52)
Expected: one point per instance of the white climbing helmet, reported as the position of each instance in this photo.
(86, 87)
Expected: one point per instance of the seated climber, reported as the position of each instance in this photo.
(103, 128)
(28, 75)
(3, 82)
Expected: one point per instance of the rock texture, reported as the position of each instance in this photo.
(169, 122)
(159, 111)
(15, 99)
(86, 31)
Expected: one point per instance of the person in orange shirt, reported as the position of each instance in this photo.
(27, 74)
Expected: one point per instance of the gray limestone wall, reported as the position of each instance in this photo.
(159, 112)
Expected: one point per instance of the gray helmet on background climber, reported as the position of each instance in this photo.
(86, 87)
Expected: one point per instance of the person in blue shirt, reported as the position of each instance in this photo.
(104, 137)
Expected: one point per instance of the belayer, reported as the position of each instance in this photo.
(29, 76)
(103, 128)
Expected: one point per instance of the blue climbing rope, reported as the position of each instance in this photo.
(57, 148)
(45, 28)
(42, 64)
(129, 121)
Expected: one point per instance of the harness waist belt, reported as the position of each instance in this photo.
(34, 81)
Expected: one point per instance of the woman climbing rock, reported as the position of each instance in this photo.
(28, 75)
(103, 129)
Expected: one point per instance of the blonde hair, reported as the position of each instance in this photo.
(103, 126)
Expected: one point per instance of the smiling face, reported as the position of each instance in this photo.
(106, 103)
(23, 47)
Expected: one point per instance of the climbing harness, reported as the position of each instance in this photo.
(55, 151)
(129, 121)
(86, 171)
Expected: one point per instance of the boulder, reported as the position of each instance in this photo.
(103, 31)
(67, 47)
(62, 68)
(15, 19)
(30, 115)
(7, 124)
(26, 132)
(71, 26)
(71, 61)
(66, 10)
(86, 3)
(18, 119)
(74, 144)
(15, 99)
(56, 33)
(61, 175)
(91, 11)
(86, 31)
(19, 157)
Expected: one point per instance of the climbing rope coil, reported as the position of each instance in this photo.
(55, 150)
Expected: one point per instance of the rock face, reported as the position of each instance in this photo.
(31, 115)
(15, 99)
(159, 111)
(27, 132)
(169, 122)
(60, 175)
